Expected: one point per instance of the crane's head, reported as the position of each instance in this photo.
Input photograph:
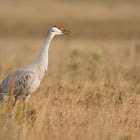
(56, 30)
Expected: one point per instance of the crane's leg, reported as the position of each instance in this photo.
(26, 101)
(2, 98)
(16, 98)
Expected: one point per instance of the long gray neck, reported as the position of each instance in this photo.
(43, 57)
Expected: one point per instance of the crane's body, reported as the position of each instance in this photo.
(27, 79)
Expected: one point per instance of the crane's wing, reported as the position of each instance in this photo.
(17, 82)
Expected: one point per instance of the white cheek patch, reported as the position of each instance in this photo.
(56, 31)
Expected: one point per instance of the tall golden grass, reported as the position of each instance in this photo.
(92, 86)
(91, 91)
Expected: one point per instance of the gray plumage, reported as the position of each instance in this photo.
(27, 79)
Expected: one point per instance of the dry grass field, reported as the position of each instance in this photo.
(92, 87)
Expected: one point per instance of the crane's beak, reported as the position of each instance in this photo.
(66, 31)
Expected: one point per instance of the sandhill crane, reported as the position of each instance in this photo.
(27, 79)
